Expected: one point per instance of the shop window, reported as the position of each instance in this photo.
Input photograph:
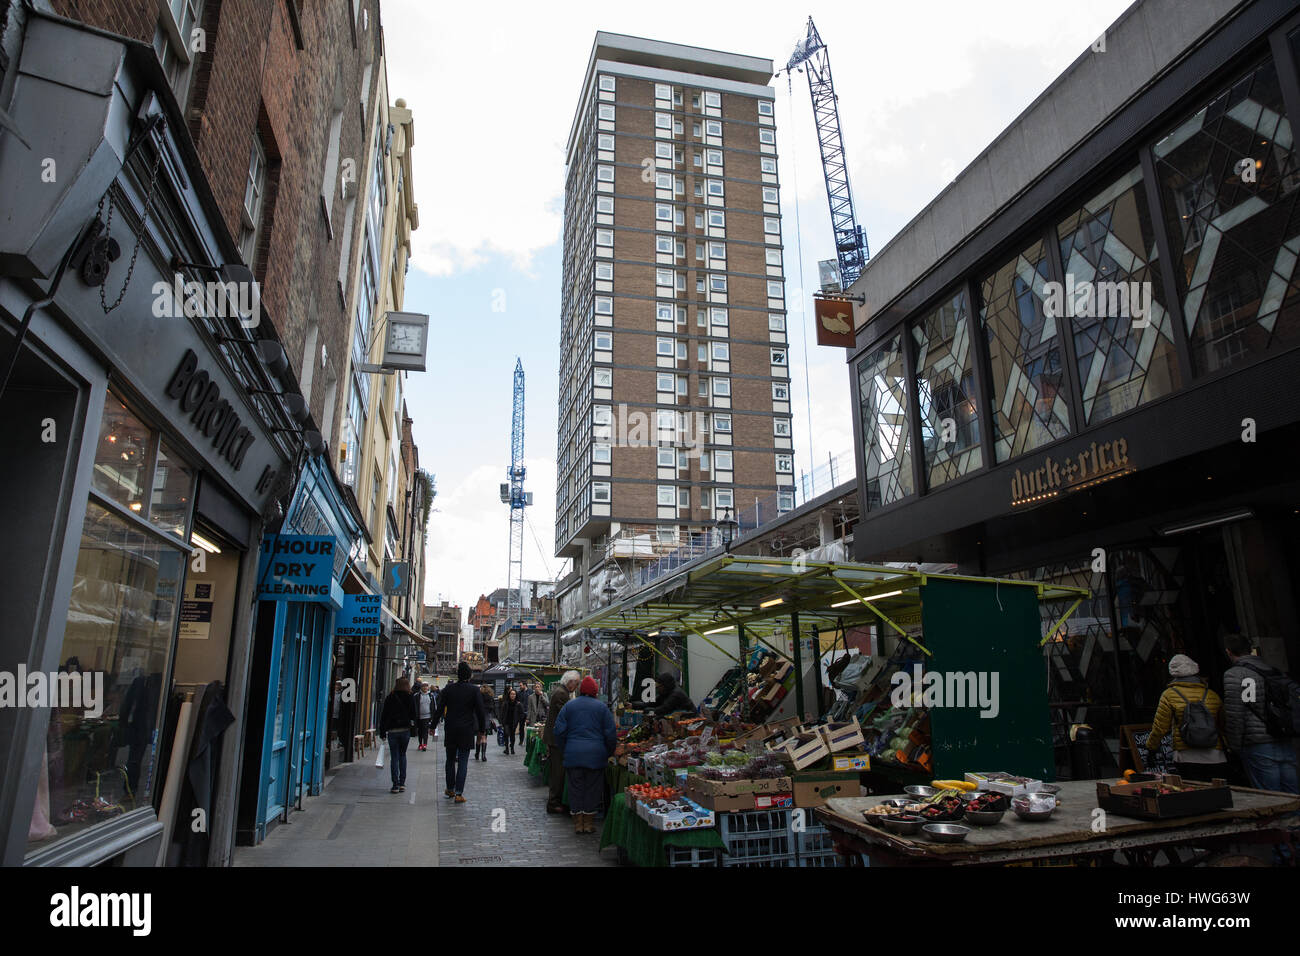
(101, 751)
(945, 387)
(1031, 405)
(887, 448)
(1228, 175)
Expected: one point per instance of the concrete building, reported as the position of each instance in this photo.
(674, 400)
(442, 625)
(1067, 363)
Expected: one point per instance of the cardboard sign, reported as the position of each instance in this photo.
(359, 616)
(834, 322)
(295, 567)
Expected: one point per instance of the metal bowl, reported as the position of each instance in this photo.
(906, 823)
(946, 832)
(920, 792)
(897, 803)
(984, 818)
(1032, 816)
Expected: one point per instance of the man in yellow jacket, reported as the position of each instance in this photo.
(1201, 758)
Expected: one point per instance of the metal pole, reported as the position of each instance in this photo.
(744, 672)
(817, 657)
(798, 664)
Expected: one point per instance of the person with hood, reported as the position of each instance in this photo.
(395, 722)
(464, 712)
(1270, 761)
(1187, 707)
(585, 732)
(669, 697)
(511, 715)
(560, 693)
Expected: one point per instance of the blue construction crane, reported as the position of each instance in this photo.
(850, 240)
(513, 494)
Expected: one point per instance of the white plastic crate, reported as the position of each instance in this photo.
(691, 856)
(785, 860)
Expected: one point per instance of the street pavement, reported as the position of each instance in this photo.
(357, 822)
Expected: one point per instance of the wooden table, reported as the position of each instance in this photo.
(1255, 816)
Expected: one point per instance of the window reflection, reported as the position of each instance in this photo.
(122, 457)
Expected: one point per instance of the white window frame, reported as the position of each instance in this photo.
(604, 174)
(713, 127)
(719, 421)
(717, 219)
(597, 487)
(781, 427)
(604, 305)
(724, 499)
(785, 464)
(721, 352)
(722, 460)
(607, 83)
(667, 495)
(722, 387)
(605, 271)
(780, 391)
(605, 141)
(667, 453)
(605, 111)
(665, 382)
(767, 137)
(602, 377)
(765, 112)
(605, 336)
(601, 453)
(605, 204)
(664, 347)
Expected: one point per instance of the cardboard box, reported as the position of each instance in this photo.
(855, 760)
(845, 736)
(1000, 781)
(695, 818)
(724, 804)
(813, 789)
(733, 788)
(773, 801)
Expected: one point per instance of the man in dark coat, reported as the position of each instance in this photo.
(462, 708)
(669, 697)
(561, 690)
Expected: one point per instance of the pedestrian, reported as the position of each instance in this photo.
(1267, 752)
(537, 705)
(423, 714)
(560, 693)
(489, 702)
(395, 722)
(669, 697)
(525, 695)
(462, 711)
(435, 697)
(1192, 712)
(586, 733)
(511, 715)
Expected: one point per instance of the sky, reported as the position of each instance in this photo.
(923, 88)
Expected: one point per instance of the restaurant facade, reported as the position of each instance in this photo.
(1079, 363)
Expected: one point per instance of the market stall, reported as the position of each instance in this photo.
(1075, 821)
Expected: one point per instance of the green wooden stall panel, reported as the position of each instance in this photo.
(983, 629)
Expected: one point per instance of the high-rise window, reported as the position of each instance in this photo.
(174, 43)
(945, 385)
(254, 187)
(886, 438)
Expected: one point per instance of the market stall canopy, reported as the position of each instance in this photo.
(760, 593)
(508, 670)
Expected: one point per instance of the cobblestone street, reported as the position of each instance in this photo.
(357, 822)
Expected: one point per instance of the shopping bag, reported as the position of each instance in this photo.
(501, 736)
(379, 755)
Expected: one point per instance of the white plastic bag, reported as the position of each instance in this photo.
(379, 754)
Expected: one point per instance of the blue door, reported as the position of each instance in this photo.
(279, 779)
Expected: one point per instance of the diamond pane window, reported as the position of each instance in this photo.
(1123, 337)
(945, 387)
(1229, 179)
(882, 394)
(1030, 403)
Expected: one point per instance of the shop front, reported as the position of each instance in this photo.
(300, 590)
(143, 441)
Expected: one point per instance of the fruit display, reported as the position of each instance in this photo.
(944, 809)
(650, 792)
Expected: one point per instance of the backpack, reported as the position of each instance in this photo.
(1281, 702)
(1198, 728)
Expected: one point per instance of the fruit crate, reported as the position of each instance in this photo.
(691, 856)
(756, 835)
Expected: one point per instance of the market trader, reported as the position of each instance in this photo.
(669, 696)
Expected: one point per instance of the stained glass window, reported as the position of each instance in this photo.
(1229, 179)
(1123, 339)
(945, 386)
(882, 394)
(1030, 398)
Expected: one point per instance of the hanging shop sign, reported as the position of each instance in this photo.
(396, 576)
(1098, 462)
(359, 616)
(211, 415)
(834, 322)
(295, 567)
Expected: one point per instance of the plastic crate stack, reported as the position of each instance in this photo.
(691, 856)
(757, 838)
(813, 846)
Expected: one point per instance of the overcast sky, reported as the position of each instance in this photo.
(923, 88)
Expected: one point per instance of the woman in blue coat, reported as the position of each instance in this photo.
(585, 732)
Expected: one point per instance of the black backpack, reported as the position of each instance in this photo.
(1198, 728)
(1281, 714)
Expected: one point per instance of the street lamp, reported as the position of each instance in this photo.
(609, 592)
(726, 526)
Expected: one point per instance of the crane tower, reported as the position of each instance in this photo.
(513, 494)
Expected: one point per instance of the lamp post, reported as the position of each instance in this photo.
(726, 526)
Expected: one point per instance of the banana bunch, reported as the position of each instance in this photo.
(962, 785)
